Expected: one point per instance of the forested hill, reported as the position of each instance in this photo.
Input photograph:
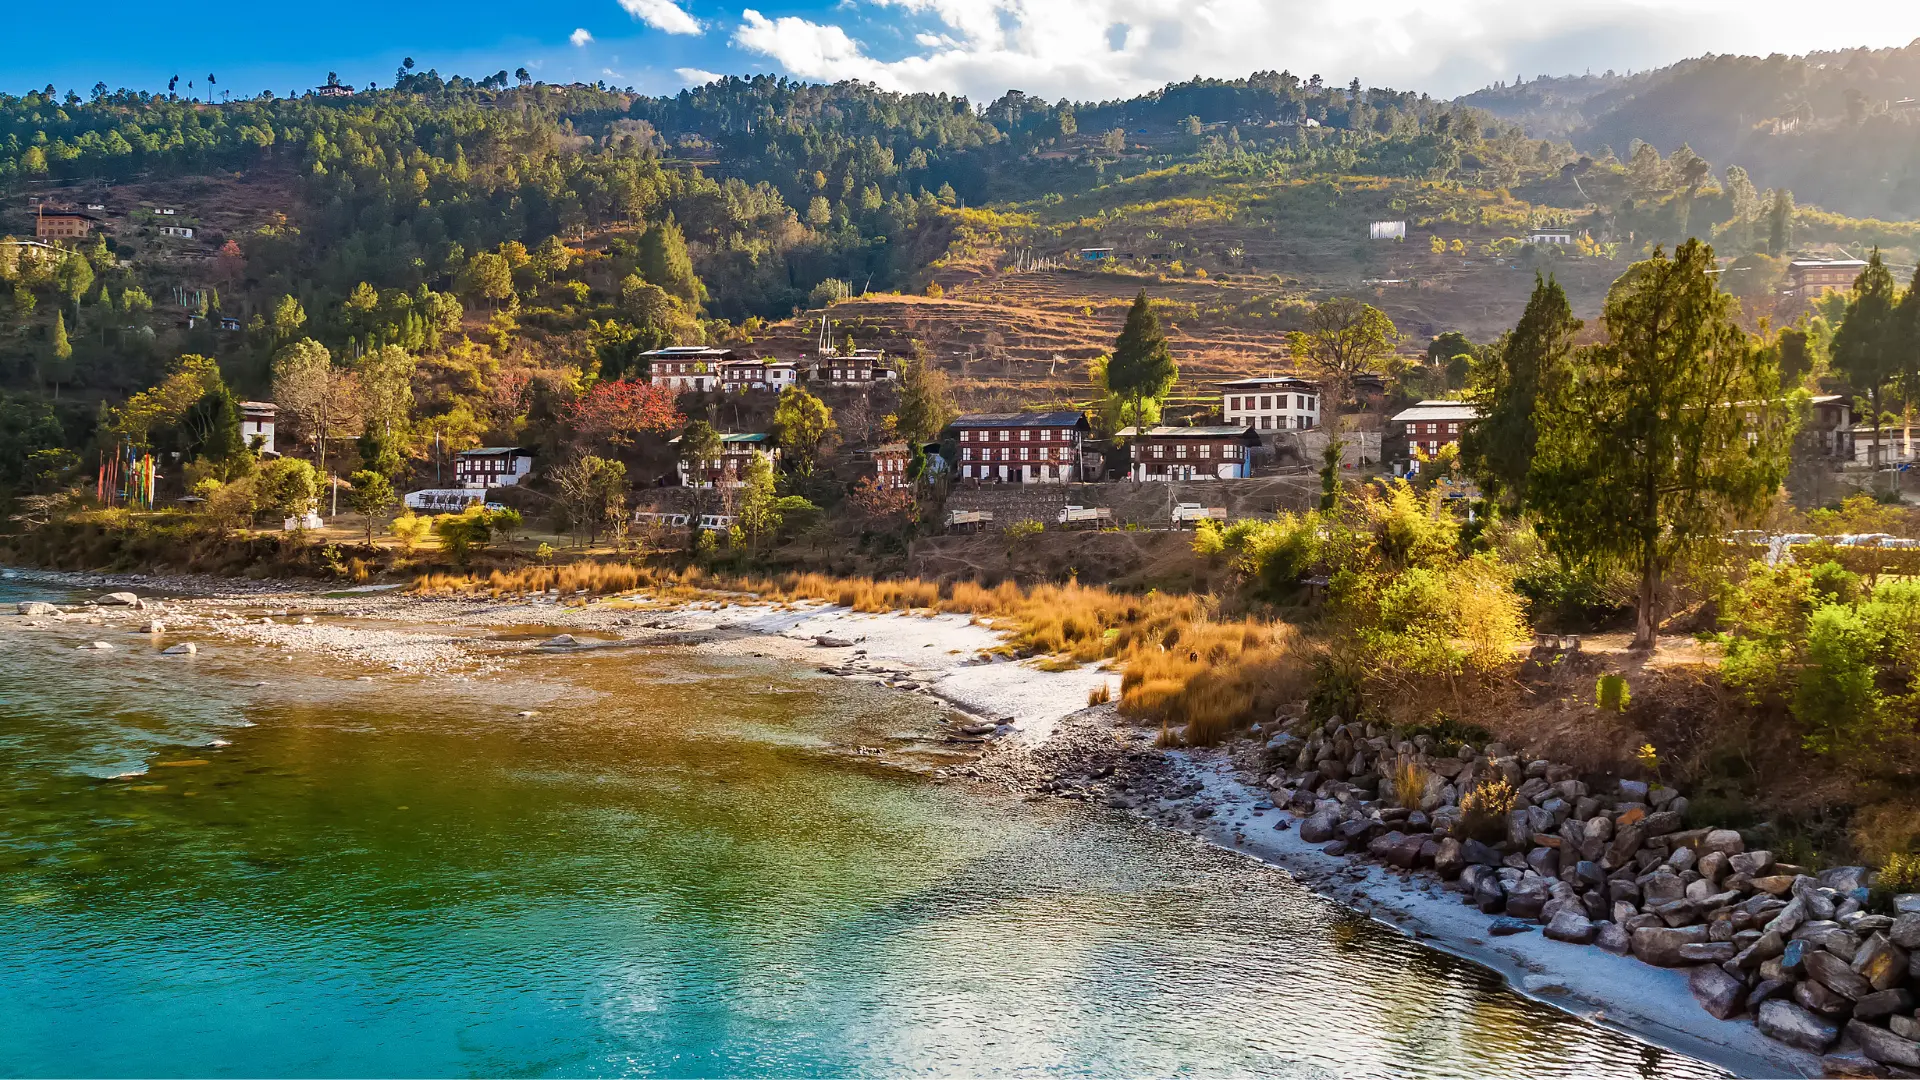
(1841, 129)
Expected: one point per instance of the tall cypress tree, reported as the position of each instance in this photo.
(1509, 380)
(1142, 366)
(1867, 347)
(664, 262)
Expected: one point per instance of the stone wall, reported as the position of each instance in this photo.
(1149, 505)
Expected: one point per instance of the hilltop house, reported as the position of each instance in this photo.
(740, 376)
(1817, 277)
(1829, 427)
(861, 367)
(886, 463)
(1428, 426)
(687, 367)
(256, 425)
(1220, 452)
(51, 224)
(1046, 448)
(492, 466)
(1280, 403)
(728, 469)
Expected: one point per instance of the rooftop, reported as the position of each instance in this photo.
(491, 451)
(1210, 431)
(1263, 381)
(1439, 410)
(1063, 418)
(683, 351)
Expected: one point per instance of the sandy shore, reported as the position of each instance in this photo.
(1038, 733)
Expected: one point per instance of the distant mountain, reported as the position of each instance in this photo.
(1840, 129)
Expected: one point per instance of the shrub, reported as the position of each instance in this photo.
(1024, 530)
(1484, 810)
(1409, 780)
(408, 530)
(1100, 695)
(1610, 692)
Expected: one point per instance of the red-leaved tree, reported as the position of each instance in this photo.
(619, 412)
(882, 503)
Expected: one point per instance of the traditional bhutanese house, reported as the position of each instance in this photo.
(1041, 447)
(492, 466)
(1829, 426)
(740, 376)
(1276, 403)
(886, 463)
(1219, 452)
(1817, 277)
(51, 224)
(730, 468)
(1429, 426)
(862, 367)
(256, 425)
(687, 367)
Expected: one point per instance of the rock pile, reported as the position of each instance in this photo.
(1618, 865)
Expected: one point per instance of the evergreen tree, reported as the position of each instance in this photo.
(378, 450)
(664, 262)
(1780, 223)
(1665, 435)
(1142, 367)
(1867, 347)
(1509, 381)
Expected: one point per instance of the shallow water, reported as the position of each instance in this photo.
(673, 868)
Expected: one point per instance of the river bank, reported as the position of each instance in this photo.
(1038, 735)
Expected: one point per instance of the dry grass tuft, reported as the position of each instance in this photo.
(1100, 695)
(1409, 780)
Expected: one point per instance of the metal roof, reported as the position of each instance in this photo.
(1438, 410)
(686, 351)
(1066, 418)
(1210, 431)
(1264, 381)
(491, 451)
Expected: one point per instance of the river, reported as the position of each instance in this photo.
(251, 863)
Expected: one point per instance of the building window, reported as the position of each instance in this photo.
(1159, 451)
(1453, 429)
(1266, 403)
(1180, 450)
(1206, 449)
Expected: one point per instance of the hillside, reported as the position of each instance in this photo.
(516, 243)
(1786, 120)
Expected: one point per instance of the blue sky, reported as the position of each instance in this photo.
(1085, 49)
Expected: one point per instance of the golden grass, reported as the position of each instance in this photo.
(1409, 779)
(1100, 695)
(1180, 665)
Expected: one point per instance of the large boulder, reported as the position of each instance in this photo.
(118, 599)
(1528, 900)
(1881, 963)
(1883, 1003)
(1318, 828)
(1719, 993)
(1614, 938)
(38, 607)
(1626, 843)
(1751, 863)
(1488, 894)
(1836, 975)
(1906, 932)
(1725, 841)
(1479, 854)
(1449, 859)
(1571, 927)
(1786, 1022)
(1884, 1046)
(1660, 945)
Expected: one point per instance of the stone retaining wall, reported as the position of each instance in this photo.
(1618, 866)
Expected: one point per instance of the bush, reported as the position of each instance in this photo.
(1484, 810)
(1024, 530)
(408, 530)
(1409, 782)
(1610, 692)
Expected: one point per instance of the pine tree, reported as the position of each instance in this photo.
(1142, 366)
(1663, 437)
(664, 262)
(1867, 347)
(1509, 381)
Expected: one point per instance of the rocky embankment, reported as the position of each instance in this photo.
(1616, 864)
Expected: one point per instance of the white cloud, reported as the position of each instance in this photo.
(807, 49)
(663, 15)
(1095, 49)
(580, 38)
(697, 77)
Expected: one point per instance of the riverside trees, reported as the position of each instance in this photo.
(1655, 441)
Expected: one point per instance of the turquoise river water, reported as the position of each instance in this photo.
(252, 864)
